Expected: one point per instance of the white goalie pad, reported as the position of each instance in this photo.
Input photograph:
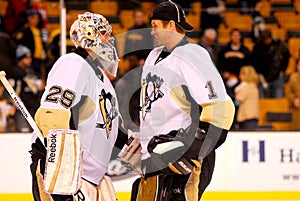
(63, 162)
(103, 192)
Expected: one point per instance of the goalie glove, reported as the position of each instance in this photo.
(171, 153)
(116, 168)
(131, 153)
(185, 164)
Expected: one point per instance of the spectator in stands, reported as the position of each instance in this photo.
(293, 95)
(247, 98)
(7, 50)
(231, 58)
(37, 5)
(258, 25)
(53, 52)
(138, 41)
(54, 39)
(27, 86)
(15, 15)
(211, 14)
(270, 58)
(5, 110)
(209, 42)
(31, 37)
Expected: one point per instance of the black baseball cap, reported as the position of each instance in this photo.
(169, 10)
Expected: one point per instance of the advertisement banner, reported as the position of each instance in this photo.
(258, 161)
(260, 165)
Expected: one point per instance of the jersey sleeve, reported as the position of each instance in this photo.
(206, 87)
(65, 85)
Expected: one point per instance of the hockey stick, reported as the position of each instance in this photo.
(21, 106)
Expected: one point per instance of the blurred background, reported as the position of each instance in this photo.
(261, 162)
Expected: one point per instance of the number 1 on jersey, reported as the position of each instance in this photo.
(212, 93)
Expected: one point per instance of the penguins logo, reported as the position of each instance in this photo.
(105, 100)
(152, 85)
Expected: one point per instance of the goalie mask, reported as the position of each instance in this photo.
(92, 31)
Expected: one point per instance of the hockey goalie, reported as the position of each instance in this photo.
(78, 116)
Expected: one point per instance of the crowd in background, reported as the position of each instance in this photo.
(28, 51)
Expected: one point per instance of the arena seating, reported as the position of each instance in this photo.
(264, 7)
(106, 8)
(269, 111)
(281, 16)
(3, 5)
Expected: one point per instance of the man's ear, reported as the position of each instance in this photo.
(172, 25)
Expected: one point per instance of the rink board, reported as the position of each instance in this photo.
(249, 166)
(216, 196)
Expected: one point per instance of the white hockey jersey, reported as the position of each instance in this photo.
(73, 85)
(164, 105)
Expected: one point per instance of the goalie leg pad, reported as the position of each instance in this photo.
(147, 189)
(45, 196)
(103, 192)
(106, 189)
(63, 162)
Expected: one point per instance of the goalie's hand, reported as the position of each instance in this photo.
(131, 153)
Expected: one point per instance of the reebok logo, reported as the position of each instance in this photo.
(52, 148)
